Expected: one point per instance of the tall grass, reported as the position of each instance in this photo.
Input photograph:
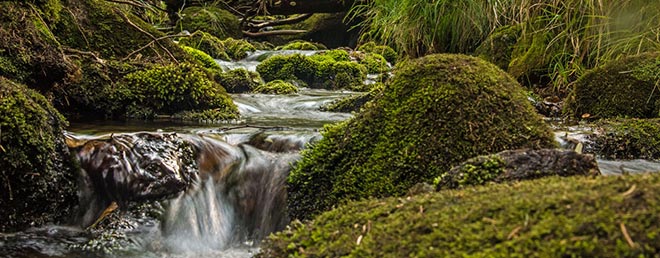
(584, 33)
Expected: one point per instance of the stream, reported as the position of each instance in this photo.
(236, 196)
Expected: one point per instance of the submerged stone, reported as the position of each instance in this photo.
(37, 179)
(437, 112)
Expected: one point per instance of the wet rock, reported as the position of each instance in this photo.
(625, 139)
(516, 165)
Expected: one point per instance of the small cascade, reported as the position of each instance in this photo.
(251, 61)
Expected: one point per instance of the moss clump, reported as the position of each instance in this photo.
(37, 179)
(207, 43)
(202, 58)
(387, 52)
(318, 71)
(349, 104)
(438, 111)
(622, 88)
(374, 63)
(238, 49)
(498, 47)
(530, 58)
(551, 217)
(334, 54)
(627, 139)
(301, 45)
(174, 88)
(218, 22)
(277, 87)
(238, 80)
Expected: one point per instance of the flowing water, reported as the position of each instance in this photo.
(211, 190)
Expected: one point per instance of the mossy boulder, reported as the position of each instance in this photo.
(202, 58)
(207, 43)
(218, 22)
(238, 80)
(438, 111)
(498, 47)
(374, 63)
(623, 88)
(301, 45)
(173, 88)
(614, 216)
(38, 181)
(387, 52)
(318, 71)
(518, 165)
(276, 87)
(238, 49)
(625, 139)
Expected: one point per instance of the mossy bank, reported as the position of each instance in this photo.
(437, 112)
(551, 217)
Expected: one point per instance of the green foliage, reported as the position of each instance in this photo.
(498, 47)
(174, 88)
(276, 87)
(623, 88)
(37, 177)
(387, 52)
(627, 139)
(301, 45)
(438, 111)
(238, 80)
(319, 71)
(207, 43)
(238, 49)
(215, 21)
(202, 58)
(550, 217)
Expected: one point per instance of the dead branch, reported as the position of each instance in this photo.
(290, 20)
(154, 39)
(86, 53)
(273, 33)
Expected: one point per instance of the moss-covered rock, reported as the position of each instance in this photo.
(438, 111)
(301, 45)
(202, 58)
(318, 71)
(174, 88)
(626, 139)
(207, 43)
(38, 178)
(374, 63)
(238, 49)
(387, 52)
(218, 22)
(498, 47)
(334, 55)
(624, 88)
(551, 217)
(518, 165)
(238, 80)
(276, 87)
(531, 58)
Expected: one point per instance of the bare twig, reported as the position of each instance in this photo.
(627, 236)
(273, 33)
(154, 39)
(290, 20)
(86, 53)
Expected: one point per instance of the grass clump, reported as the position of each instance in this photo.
(623, 88)
(427, 120)
(174, 88)
(276, 87)
(38, 181)
(215, 21)
(550, 217)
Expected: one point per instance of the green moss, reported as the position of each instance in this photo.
(202, 58)
(438, 111)
(350, 104)
(301, 45)
(37, 177)
(175, 88)
(387, 52)
(218, 22)
(627, 139)
(238, 80)
(207, 43)
(374, 63)
(498, 47)
(531, 57)
(551, 217)
(623, 88)
(335, 54)
(276, 87)
(238, 49)
(475, 172)
(208, 116)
